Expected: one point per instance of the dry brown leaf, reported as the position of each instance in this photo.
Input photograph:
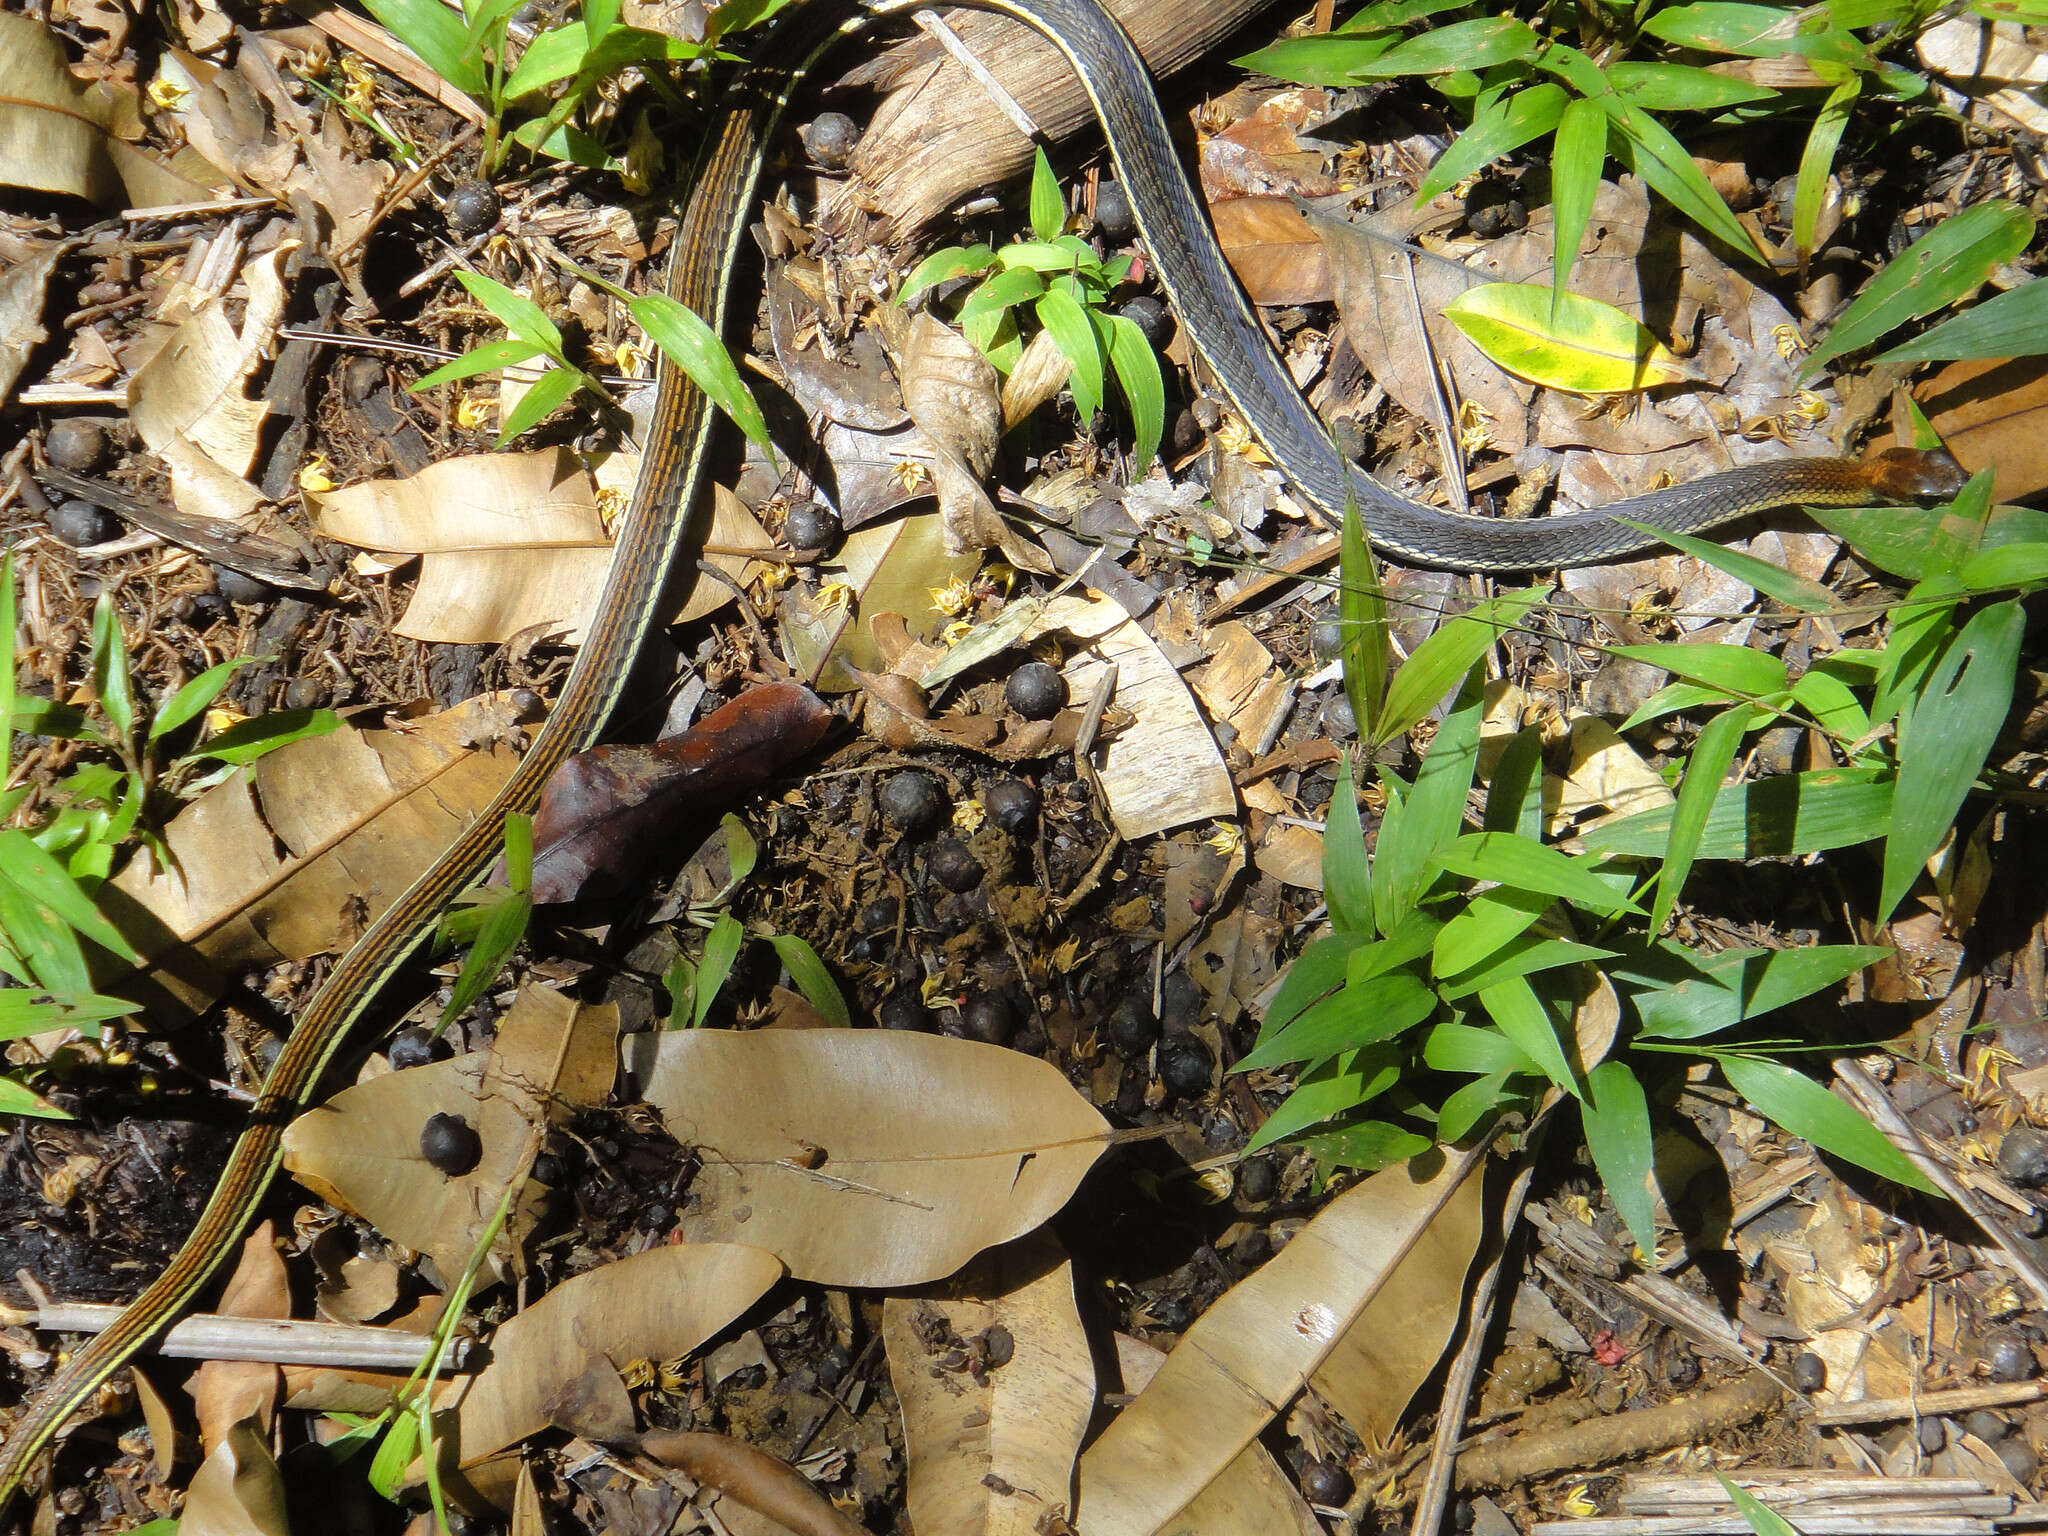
(1994, 62)
(162, 1426)
(1250, 1497)
(1273, 251)
(1380, 1361)
(512, 542)
(52, 134)
(894, 567)
(189, 401)
(227, 1392)
(1993, 413)
(1166, 769)
(993, 1456)
(867, 1157)
(361, 1149)
(292, 856)
(657, 1305)
(1039, 374)
(1248, 1356)
(23, 288)
(237, 1492)
(953, 393)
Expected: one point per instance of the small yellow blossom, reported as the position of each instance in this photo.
(1233, 436)
(836, 594)
(1788, 341)
(221, 717)
(629, 358)
(361, 90)
(968, 815)
(934, 993)
(644, 157)
(611, 505)
(910, 474)
(956, 631)
(1808, 406)
(474, 412)
(1579, 1503)
(1475, 426)
(1226, 839)
(954, 598)
(314, 476)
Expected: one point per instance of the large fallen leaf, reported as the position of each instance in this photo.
(23, 288)
(1568, 342)
(1250, 1497)
(226, 1392)
(989, 1445)
(657, 1305)
(888, 567)
(190, 401)
(1272, 250)
(1248, 1356)
(291, 856)
(512, 542)
(361, 1149)
(238, 1491)
(1165, 770)
(52, 134)
(867, 1157)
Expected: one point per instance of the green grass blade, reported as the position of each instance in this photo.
(1137, 371)
(2010, 324)
(721, 948)
(1616, 1116)
(1347, 872)
(1521, 864)
(1818, 158)
(1445, 657)
(110, 680)
(1048, 208)
(1802, 1106)
(1575, 163)
(1515, 1007)
(1792, 814)
(695, 348)
(1061, 314)
(1704, 770)
(812, 978)
(1368, 648)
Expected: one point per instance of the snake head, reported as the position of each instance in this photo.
(1914, 474)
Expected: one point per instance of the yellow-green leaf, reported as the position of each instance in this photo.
(1582, 345)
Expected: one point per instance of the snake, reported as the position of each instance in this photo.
(700, 273)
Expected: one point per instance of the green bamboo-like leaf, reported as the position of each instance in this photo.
(1431, 812)
(1514, 800)
(1944, 741)
(438, 36)
(1795, 1101)
(1441, 661)
(1701, 786)
(680, 982)
(1738, 671)
(1366, 1145)
(1061, 314)
(1005, 290)
(1945, 265)
(2009, 324)
(1501, 128)
(1489, 922)
(563, 140)
(110, 681)
(525, 319)
(491, 357)
(1817, 160)
(187, 703)
(721, 948)
(943, 267)
(1347, 872)
(1368, 647)
(812, 978)
(47, 945)
(1048, 208)
(1648, 148)
(1526, 865)
(1524, 955)
(42, 879)
(1067, 253)
(1328, 60)
(1660, 87)
(540, 401)
(17, 1098)
(1466, 1107)
(1681, 995)
(248, 740)
(553, 55)
(1137, 371)
(1413, 937)
(695, 348)
(1833, 706)
(503, 926)
(25, 1012)
(1515, 1007)
(1475, 44)
(1455, 1047)
(1576, 159)
(1616, 1116)
(1920, 634)
(1761, 1519)
(1998, 570)
(1333, 1088)
(1790, 814)
(1793, 590)
(1361, 1014)
(1317, 971)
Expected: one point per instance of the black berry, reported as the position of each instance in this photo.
(913, 802)
(1036, 691)
(449, 1144)
(79, 523)
(1012, 805)
(811, 527)
(472, 208)
(76, 444)
(1151, 317)
(829, 138)
(1113, 213)
(953, 866)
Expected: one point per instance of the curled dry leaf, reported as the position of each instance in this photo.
(608, 811)
(1166, 769)
(1248, 1356)
(227, 1392)
(1040, 373)
(190, 402)
(657, 1305)
(895, 567)
(290, 856)
(52, 134)
(23, 288)
(865, 1157)
(361, 1149)
(1250, 1497)
(954, 395)
(764, 1484)
(237, 1492)
(852, 384)
(989, 1449)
